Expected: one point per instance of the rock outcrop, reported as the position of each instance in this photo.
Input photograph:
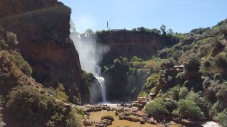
(42, 28)
(133, 43)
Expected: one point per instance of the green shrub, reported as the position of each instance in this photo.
(151, 81)
(183, 92)
(218, 78)
(73, 119)
(135, 58)
(21, 63)
(87, 77)
(76, 100)
(153, 64)
(60, 91)
(156, 108)
(9, 73)
(26, 106)
(189, 109)
(192, 65)
(222, 118)
(170, 105)
(221, 60)
(143, 94)
(167, 64)
(216, 108)
(173, 93)
(199, 100)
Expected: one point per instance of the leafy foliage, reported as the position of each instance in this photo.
(156, 108)
(143, 94)
(221, 60)
(26, 106)
(151, 82)
(21, 63)
(222, 117)
(188, 109)
(60, 91)
(169, 63)
(192, 65)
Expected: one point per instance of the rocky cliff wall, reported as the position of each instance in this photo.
(133, 43)
(42, 28)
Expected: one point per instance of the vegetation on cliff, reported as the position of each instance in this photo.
(41, 31)
(198, 86)
(188, 77)
(23, 101)
(28, 106)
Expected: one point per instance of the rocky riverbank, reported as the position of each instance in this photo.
(121, 113)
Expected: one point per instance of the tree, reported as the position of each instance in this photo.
(192, 65)
(156, 108)
(89, 31)
(188, 109)
(170, 32)
(221, 60)
(163, 29)
(222, 117)
(27, 106)
(169, 63)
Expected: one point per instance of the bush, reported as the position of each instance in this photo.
(170, 105)
(189, 109)
(26, 106)
(167, 64)
(135, 58)
(76, 100)
(183, 92)
(60, 91)
(21, 63)
(156, 108)
(221, 60)
(222, 118)
(173, 93)
(192, 65)
(9, 73)
(215, 109)
(199, 100)
(154, 65)
(11, 38)
(143, 94)
(207, 63)
(152, 81)
(218, 78)
(73, 119)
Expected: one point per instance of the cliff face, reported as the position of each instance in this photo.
(132, 43)
(42, 28)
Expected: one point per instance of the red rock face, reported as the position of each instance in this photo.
(42, 28)
(131, 43)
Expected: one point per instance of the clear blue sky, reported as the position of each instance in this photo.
(179, 15)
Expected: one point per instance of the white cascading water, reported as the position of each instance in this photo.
(103, 88)
(90, 54)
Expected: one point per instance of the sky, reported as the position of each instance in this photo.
(179, 15)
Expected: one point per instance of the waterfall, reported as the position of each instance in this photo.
(90, 55)
(103, 88)
(101, 81)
